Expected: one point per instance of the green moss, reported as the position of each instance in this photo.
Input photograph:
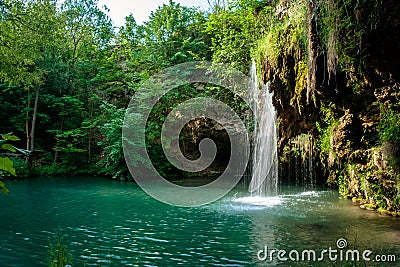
(370, 206)
(325, 129)
(285, 40)
(342, 186)
(338, 49)
(373, 185)
(301, 83)
(389, 129)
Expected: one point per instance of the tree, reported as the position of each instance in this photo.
(86, 28)
(52, 58)
(25, 39)
(174, 34)
(217, 5)
(234, 31)
(19, 42)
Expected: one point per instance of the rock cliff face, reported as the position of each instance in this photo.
(350, 103)
(333, 67)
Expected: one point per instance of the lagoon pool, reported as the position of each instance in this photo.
(112, 223)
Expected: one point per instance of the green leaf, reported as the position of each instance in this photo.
(7, 165)
(3, 189)
(8, 147)
(10, 137)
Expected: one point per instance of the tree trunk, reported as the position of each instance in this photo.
(34, 119)
(61, 130)
(90, 130)
(27, 122)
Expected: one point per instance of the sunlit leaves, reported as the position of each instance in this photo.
(23, 36)
(86, 28)
(9, 137)
(7, 165)
(233, 34)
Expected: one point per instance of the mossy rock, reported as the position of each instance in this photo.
(388, 212)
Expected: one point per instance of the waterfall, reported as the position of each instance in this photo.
(264, 176)
(299, 162)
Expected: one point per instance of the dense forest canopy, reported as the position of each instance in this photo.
(67, 76)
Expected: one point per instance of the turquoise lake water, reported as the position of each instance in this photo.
(111, 223)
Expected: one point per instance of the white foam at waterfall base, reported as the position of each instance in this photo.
(264, 177)
(259, 201)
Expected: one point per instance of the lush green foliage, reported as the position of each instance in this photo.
(23, 38)
(6, 165)
(325, 129)
(343, 32)
(67, 93)
(112, 161)
(234, 32)
(285, 40)
(67, 76)
(390, 126)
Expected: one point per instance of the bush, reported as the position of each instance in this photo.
(21, 168)
(112, 161)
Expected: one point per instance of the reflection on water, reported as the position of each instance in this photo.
(114, 223)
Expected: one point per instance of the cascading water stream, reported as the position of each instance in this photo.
(264, 177)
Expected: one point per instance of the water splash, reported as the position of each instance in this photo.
(260, 201)
(264, 177)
